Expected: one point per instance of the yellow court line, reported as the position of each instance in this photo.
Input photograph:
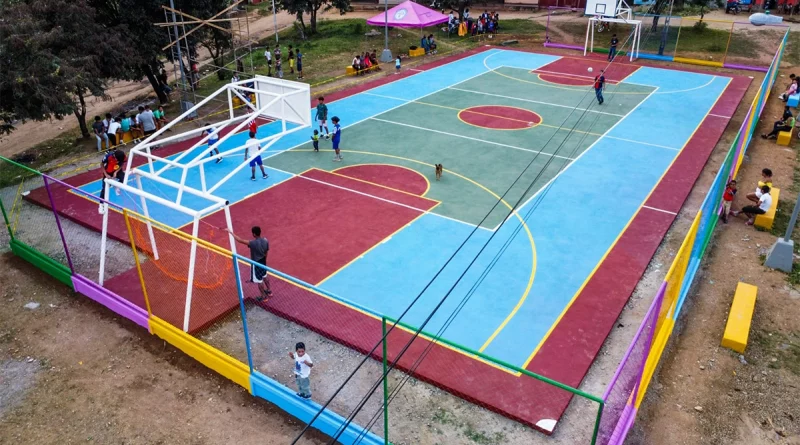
(375, 246)
(557, 86)
(525, 294)
(541, 124)
(373, 316)
(528, 124)
(619, 236)
(334, 172)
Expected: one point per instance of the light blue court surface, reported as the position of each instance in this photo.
(510, 296)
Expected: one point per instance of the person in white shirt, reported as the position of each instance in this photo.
(764, 204)
(213, 138)
(235, 78)
(113, 129)
(268, 56)
(302, 370)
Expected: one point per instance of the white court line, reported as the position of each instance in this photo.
(659, 210)
(576, 159)
(536, 102)
(364, 194)
(713, 78)
(470, 138)
(719, 115)
(400, 105)
(386, 97)
(533, 71)
(414, 69)
(643, 143)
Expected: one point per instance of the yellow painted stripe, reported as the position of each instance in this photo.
(138, 264)
(335, 172)
(619, 236)
(204, 353)
(697, 62)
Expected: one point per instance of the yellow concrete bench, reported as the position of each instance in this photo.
(784, 138)
(416, 52)
(350, 71)
(738, 328)
(765, 221)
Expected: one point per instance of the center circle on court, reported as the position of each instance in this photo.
(500, 117)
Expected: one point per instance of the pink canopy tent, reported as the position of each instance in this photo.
(409, 15)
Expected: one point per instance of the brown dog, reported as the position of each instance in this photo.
(439, 170)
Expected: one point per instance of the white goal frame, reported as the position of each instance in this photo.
(276, 100)
(623, 14)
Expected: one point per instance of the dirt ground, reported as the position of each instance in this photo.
(71, 371)
(706, 394)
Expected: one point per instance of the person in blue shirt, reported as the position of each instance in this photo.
(337, 137)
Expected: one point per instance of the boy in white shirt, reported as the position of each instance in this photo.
(764, 204)
(302, 370)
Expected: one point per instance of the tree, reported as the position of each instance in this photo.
(138, 17)
(54, 54)
(311, 7)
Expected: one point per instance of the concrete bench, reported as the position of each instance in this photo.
(738, 327)
(765, 221)
(350, 71)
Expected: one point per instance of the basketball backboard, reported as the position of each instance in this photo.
(604, 8)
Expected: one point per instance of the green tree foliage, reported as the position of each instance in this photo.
(138, 17)
(312, 8)
(53, 55)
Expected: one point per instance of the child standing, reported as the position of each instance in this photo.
(315, 140)
(302, 370)
(299, 64)
(727, 200)
(213, 137)
(322, 116)
(278, 62)
(337, 137)
(290, 56)
(397, 64)
(253, 143)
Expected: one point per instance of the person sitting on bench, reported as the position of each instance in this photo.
(785, 124)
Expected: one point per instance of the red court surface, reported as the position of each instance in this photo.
(499, 117)
(318, 222)
(569, 350)
(575, 72)
(392, 176)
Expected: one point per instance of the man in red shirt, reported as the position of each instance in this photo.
(112, 166)
(253, 127)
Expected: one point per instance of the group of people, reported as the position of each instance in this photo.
(486, 23)
(760, 199)
(428, 44)
(366, 61)
(294, 58)
(111, 129)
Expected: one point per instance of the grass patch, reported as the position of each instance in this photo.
(331, 49)
(785, 349)
(483, 438)
(39, 156)
(791, 56)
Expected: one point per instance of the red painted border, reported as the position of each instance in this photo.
(584, 327)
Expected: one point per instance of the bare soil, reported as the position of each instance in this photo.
(706, 394)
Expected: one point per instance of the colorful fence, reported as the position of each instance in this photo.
(222, 324)
(151, 289)
(629, 386)
(691, 40)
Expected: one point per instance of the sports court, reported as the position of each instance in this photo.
(547, 214)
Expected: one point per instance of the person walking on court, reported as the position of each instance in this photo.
(253, 143)
(322, 116)
(337, 137)
(259, 248)
(612, 50)
(599, 86)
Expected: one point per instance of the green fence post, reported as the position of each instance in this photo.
(5, 218)
(597, 423)
(385, 387)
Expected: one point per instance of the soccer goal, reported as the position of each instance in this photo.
(170, 183)
(611, 11)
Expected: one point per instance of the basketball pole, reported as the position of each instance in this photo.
(386, 55)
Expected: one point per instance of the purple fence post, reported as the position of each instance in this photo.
(58, 221)
(650, 335)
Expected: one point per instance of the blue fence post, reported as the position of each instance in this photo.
(244, 312)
